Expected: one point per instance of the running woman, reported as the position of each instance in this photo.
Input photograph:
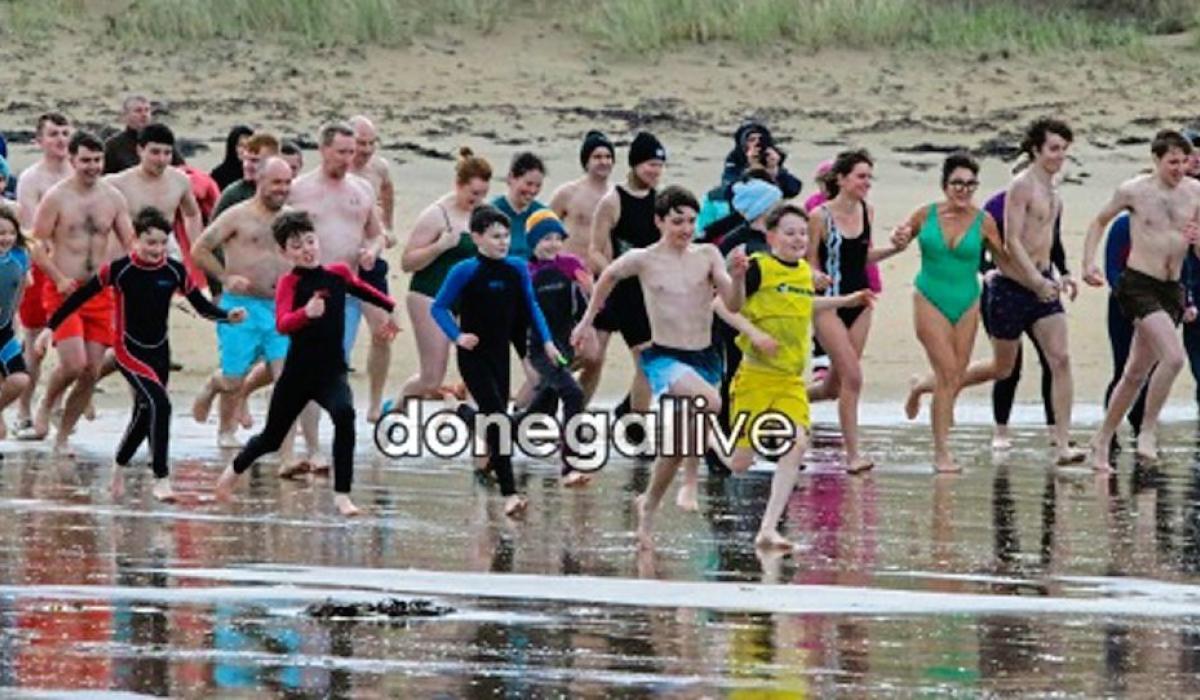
(14, 271)
(310, 306)
(144, 284)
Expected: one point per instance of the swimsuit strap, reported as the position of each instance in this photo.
(446, 217)
(833, 259)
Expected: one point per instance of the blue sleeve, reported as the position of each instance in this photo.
(535, 311)
(22, 258)
(452, 288)
(1115, 248)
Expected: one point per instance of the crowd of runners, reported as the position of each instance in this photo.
(727, 314)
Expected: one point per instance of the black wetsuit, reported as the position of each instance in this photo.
(143, 299)
(315, 366)
(625, 310)
(493, 296)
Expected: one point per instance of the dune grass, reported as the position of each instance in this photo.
(630, 25)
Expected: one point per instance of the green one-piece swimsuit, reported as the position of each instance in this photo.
(949, 277)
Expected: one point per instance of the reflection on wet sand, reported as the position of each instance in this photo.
(1014, 529)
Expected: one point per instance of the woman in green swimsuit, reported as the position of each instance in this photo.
(438, 240)
(951, 234)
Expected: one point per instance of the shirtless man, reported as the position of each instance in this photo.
(77, 218)
(624, 221)
(1014, 308)
(252, 267)
(342, 206)
(678, 278)
(575, 202)
(52, 133)
(154, 183)
(1164, 218)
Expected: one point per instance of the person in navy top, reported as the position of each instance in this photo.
(14, 271)
(310, 304)
(493, 296)
(144, 284)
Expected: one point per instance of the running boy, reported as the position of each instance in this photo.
(144, 284)
(14, 271)
(494, 296)
(775, 325)
(310, 307)
(560, 285)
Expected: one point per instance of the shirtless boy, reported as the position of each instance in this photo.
(77, 218)
(677, 277)
(52, 133)
(342, 207)
(1164, 219)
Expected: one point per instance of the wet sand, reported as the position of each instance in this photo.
(1013, 577)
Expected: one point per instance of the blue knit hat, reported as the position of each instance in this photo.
(540, 224)
(753, 198)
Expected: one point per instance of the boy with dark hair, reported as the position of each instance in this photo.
(144, 284)
(494, 296)
(310, 307)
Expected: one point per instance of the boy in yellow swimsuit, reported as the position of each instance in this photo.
(775, 327)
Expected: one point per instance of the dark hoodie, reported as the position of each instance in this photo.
(230, 169)
(736, 164)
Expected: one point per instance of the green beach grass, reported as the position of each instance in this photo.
(632, 25)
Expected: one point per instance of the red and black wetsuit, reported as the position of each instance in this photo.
(143, 295)
(315, 366)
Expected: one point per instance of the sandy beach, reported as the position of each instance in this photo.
(530, 87)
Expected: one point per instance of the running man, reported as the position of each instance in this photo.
(121, 150)
(77, 218)
(249, 275)
(342, 207)
(1164, 221)
(575, 202)
(678, 278)
(52, 134)
(625, 220)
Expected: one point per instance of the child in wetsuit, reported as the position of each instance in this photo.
(144, 284)
(14, 272)
(493, 295)
(775, 325)
(560, 284)
(310, 306)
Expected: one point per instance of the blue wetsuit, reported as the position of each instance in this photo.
(493, 296)
(14, 266)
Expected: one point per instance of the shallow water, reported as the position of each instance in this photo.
(1013, 578)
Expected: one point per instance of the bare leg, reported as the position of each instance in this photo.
(379, 357)
(433, 349)
(999, 366)
(948, 349)
(11, 390)
(688, 497)
(845, 347)
(783, 483)
(1171, 356)
(639, 390)
(81, 394)
(260, 376)
(591, 365)
(72, 361)
(1051, 335)
(1154, 341)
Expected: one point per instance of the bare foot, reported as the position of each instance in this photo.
(773, 540)
(1069, 455)
(318, 465)
(912, 405)
(228, 441)
(1147, 446)
(163, 492)
(945, 464)
(345, 506)
(244, 418)
(62, 448)
(116, 484)
(645, 523)
(202, 404)
(576, 480)
(860, 464)
(1100, 456)
(90, 412)
(686, 499)
(225, 483)
(294, 470)
(1001, 440)
(515, 506)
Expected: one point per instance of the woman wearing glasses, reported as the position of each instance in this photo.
(951, 235)
(840, 253)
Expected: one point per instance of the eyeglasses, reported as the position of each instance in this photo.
(964, 185)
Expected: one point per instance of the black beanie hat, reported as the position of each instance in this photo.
(593, 140)
(645, 147)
